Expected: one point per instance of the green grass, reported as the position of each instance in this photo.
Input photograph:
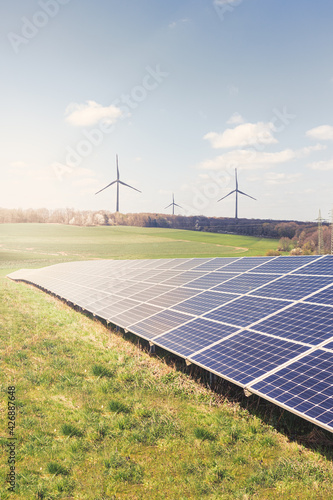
(98, 418)
(37, 245)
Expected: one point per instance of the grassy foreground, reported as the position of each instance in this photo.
(100, 419)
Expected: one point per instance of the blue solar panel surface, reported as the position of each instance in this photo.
(245, 310)
(193, 336)
(305, 386)
(307, 323)
(247, 355)
(265, 323)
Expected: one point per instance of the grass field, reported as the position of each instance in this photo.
(35, 245)
(100, 419)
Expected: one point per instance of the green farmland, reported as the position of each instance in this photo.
(40, 244)
(98, 418)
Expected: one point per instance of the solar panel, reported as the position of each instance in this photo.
(307, 323)
(245, 356)
(193, 336)
(323, 297)
(246, 282)
(209, 280)
(321, 266)
(183, 278)
(293, 287)
(245, 264)
(304, 387)
(173, 297)
(135, 314)
(264, 323)
(244, 311)
(216, 263)
(285, 264)
(204, 302)
(159, 323)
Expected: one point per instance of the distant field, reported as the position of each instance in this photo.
(97, 418)
(36, 245)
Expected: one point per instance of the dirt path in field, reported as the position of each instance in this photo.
(219, 245)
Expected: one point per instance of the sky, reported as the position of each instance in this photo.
(183, 91)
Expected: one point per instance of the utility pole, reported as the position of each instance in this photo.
(320, 234)
(332, 231)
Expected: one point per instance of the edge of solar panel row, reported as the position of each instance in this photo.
(263, 323)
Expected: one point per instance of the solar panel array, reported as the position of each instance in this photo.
(264, 323)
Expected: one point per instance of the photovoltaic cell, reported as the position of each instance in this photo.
(216, 263)
(116, 308)
(245, 264)
(308, 323)
(191, 264)
(320, 266)
(246, 282)
(173, 297)
(183, 278)
(285, 264)
(150, 293)
(305, 386)
(170, 264)
(293, 287)
(193, 336)
(323, 297)
(204, 302)
(159, 323)
(136, 288)
(135, 314)
(209, 280)
(247, 355)
(244, 311)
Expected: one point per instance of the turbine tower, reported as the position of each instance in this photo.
(173, 204)
(118, 181)
(236, 191)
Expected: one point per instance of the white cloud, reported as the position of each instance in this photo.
(246, 134)
(227, 2)
(88, 181)
(322, 133)
(307, 150)
(235, 119)
(233, 90)
(274, 178)
(18, 164)
(84, 172)
(252, 159)
(174, 24)
(90, 113)
(322, 165)
(247, 159)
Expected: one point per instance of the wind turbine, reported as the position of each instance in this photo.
(173, 204)
(118, 181)
(236, 191)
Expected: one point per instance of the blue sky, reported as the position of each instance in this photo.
(183, 91)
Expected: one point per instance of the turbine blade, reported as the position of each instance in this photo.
(177, 205)
(106, 187)
(127, 185)
(168, 206)
(234, 191)
(241, 192)
(117, 167)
